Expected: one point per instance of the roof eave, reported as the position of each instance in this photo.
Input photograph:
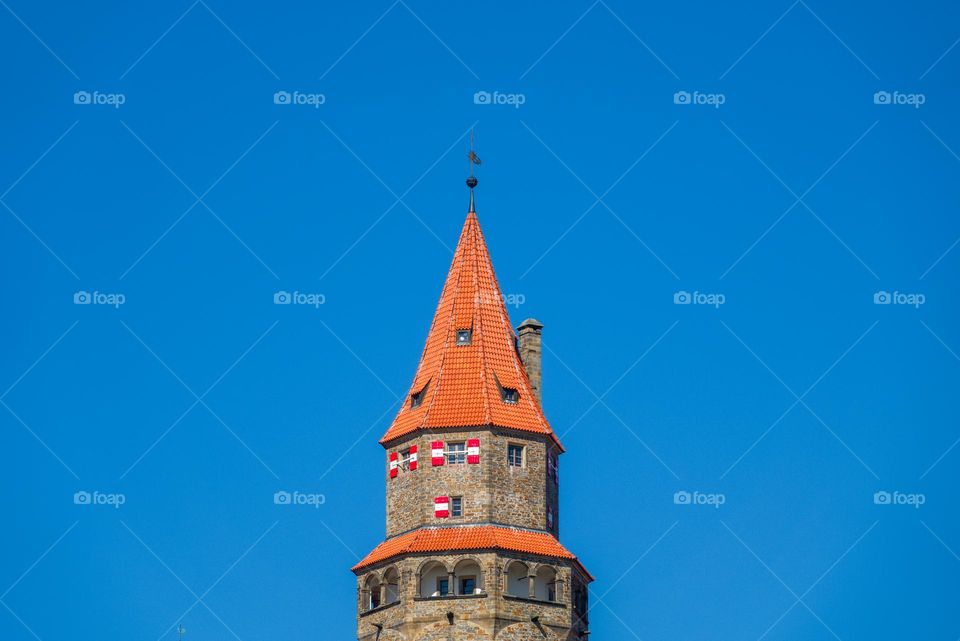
(387, 443)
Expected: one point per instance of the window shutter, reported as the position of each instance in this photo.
(473, 451)
(413, 457)
(436, 454)
(441, 507)
(393, 465)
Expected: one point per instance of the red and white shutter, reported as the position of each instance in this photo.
(441, 507)
(436, 453)
(393, 465)
(412, 461)
(473, 451)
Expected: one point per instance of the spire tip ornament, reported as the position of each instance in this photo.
(472, 180)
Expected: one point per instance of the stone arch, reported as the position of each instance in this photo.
(432, 575)
(371, 593)
(443, 631)
(429, 561)
(546, 583)
(469, 567)
(391, 584)
(515, 573)
(526, 632)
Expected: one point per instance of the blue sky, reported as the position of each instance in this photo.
(781, 192)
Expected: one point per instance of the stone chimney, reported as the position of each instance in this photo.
(531, 352)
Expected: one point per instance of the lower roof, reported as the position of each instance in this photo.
(457, 539)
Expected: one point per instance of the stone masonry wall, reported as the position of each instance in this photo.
(492, 491)
(492, 615)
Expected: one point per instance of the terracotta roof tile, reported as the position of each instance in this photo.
(482, 537)
(464, 390)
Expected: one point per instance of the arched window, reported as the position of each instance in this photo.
(517, 584)
(545, 583)
(371, 592)
(391, 579)
(433, 580)
(469, 578)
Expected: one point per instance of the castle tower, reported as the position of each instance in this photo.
(471, 468)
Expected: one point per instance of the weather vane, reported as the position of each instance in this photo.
(473, 159)
(472, 156)
(181, 631)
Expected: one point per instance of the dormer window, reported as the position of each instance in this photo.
(507, 394)
(464, 337)
(417, 397)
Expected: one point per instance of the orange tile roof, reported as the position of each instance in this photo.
(481, 537)
(461, 383)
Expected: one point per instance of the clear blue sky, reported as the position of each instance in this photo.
(797, 199)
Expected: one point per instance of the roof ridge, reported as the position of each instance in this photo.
(477, 244)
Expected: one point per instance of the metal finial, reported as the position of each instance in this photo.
(474, 159)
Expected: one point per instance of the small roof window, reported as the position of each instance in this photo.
(417, 397)
(507, 394)
(464, 337)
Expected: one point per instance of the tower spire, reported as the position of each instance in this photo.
(472, 180)
(472, 481)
